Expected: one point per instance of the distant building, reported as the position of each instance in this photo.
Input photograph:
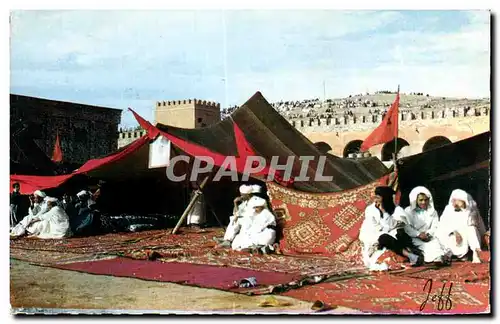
(189, 113)
(85, 131)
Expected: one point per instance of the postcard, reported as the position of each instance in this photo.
(298, 162)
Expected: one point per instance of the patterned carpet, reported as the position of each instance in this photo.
(321, 223)
(389, 292)
(404, 293)
(189, 246)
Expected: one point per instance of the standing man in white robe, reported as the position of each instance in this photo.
(258, 231)
(53, 224)
(383, 228)
(422, 224)
(240, 212)
(461, 227)
(197, 216)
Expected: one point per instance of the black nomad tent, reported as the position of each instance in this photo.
(461, 165)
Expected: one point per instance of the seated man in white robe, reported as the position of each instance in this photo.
(53, 224)
(461, 227)
(38, 206)
(383, 228)
(240, 212)
(422, 223)
(257, 231)
(82, 222)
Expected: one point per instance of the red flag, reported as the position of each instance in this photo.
(57, 156)
(387, 130)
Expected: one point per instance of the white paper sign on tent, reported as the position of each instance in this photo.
(159, 153)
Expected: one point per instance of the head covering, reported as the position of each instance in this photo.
(387, 200)
(414, 195)
(257, 202)
(51, 199)
(82, 193)
(384, 191)
(464, 196)
(244, 189)
(40, 194)
(256, 188)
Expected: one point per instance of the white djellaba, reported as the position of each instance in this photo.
(466, 222)
(242, 212)
(424, 221)
(372, 228)
(53, 224)
(255, 230)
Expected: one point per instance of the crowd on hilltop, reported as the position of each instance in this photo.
(351, 106)
(330, 108)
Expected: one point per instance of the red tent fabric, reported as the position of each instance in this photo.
(31, 183)
(244, 148)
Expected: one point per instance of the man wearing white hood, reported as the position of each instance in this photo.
(422, 223)
(257, 231)
(383, 229)
(461, 226)
(240, 212)
(53, 224)
(38, 204)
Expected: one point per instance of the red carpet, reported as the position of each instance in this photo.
(205, 276)
(404, 293)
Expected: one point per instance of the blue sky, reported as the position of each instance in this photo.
(134, 58)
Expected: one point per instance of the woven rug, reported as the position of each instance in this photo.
(189, 246)
(205, 276)
(320, 224)
(186, 239)
(404, 292)
(50, 257)
(400, 292)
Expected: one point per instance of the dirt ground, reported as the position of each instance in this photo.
(41, 287)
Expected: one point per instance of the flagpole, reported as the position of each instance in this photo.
(396, 139)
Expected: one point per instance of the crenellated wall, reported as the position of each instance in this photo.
(369, 121)
(416, 131)
(189, 113)
(126, 137)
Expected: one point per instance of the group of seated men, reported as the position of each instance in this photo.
(51, 218)
(417, 232)
(252, 227)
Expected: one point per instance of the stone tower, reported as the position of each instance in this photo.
(191, 113)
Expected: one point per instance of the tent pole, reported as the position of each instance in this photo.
(191, 204)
